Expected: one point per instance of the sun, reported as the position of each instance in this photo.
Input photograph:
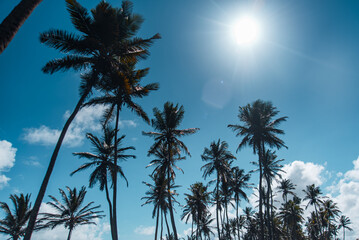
(246, 31)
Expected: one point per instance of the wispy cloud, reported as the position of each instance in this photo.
(142, 230)
(7, 160)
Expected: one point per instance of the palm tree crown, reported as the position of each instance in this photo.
(14, 222)
(70, 213)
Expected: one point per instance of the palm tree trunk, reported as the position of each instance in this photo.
(161, 224)
(12, 23)
(41, 194)
(158, 215)
(110, 209)
(318, 222)
(168, 228)
(192, 228)
(69, 236)
(237, 216)
(260, 153)
(114, 202)
(219, 234)
(343, 233)
(169, 194)
(269, 220)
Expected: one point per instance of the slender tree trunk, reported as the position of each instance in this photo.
(237, 216)
(217, 198)
(161, 224)
(269, 220)
(272, 214)
(192, 228)
(169, 194)
(41, 194)
(110, 209)
(12, 23)
(114, 201)
(158, 216)
(168, 228)
(343, 233)
(69, 236)
(260, 151)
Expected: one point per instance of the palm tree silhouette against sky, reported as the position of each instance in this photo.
(218, 157)
(259, 129)
(103, 162)
(344, 223)
(70, 213)
(14, 222)
(106, 38)
(312, 194)
(166, 123)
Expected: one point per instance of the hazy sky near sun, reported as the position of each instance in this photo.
(305, 62)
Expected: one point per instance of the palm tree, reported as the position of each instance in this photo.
(205, 227)
(291, 214)
(259, 129)
(103, 162)
(330, 211)
(196, 205)
(239, 182)
(167, 123)
(218, 158)
(106, 38)
(312, 194)
(70, 213)
(12, 23)
(286, 187)
(14, 222)
(344, 223)
(157, 195)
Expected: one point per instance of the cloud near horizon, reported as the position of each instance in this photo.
(88, 119)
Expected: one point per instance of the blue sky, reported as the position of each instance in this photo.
(305, 63)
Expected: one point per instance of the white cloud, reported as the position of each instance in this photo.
(87, 120)
(7, 160)
(142, 230)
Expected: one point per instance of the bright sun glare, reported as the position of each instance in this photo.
(246, 31)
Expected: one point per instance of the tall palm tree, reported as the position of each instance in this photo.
(344, 223)
(103, 161)
(157, 195)
(12, 23)
(196, 205)
(258, 130)
(218, 157)
(166, 123)
(106, 38)
(70, 213)
(330, 211)
(14, 222)
(291, 214)
(312, 194)
(239, 182)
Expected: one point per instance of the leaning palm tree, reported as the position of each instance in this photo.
(166, 123)
(344, 223)
(70, 213)
(258, 130)
(13, 223)
(102, 160)
(218, 157)
(12, 23)
(106, 39)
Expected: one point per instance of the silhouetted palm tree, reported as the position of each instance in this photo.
(330, 211)
(344, 223)
(12, 23)
(158, 195)
(196, 205)
(286, 187)
(13, 223)
(103, 161)
(166, 122)
(218, 158)
(106, 38)
(259, 129)
(291, 214)
(239, 182)
(70, 213)
(312, 194)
